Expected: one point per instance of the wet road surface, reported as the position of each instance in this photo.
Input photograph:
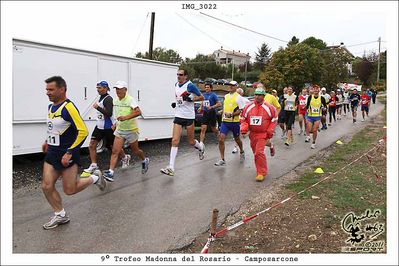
(154, 213)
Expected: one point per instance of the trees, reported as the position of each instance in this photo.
(204, 66)
(161, 54)
(363, 69)
(295, 65)
(315, 43)
(294, 40)
(262, 57)
(334, 67)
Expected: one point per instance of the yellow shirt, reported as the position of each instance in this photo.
(232, 102)
(270, 99)
(315, 106)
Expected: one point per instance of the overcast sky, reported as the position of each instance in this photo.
(115, 27)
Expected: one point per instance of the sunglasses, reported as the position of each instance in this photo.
(179, 74)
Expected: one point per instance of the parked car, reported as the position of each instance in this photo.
(248, 83)
(198, 116)
(222, 82)
(210, 80)
(218, 114)
(197, 80)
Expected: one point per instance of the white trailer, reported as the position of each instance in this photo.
(150, 83)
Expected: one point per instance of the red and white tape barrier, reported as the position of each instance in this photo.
(213, 237)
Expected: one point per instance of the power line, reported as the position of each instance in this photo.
(360, 44)
(235, 25)
(138, 37)
(209, 36)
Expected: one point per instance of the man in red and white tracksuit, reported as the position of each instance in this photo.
(260, 118)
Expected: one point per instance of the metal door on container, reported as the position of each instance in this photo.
(32, 65)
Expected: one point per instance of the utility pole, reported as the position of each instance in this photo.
(246, 63)
(151, 34)
(232, 69)
(378, 66)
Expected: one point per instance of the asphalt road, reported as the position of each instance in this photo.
(155, 213)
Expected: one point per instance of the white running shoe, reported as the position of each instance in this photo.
(300, 132)
(242, 156)
(201, 151)
(168, 171)
(220, 163)
(144, 165)
(91, 168)
(235, 150)
(101, 184)
(126, 161)
(362, 120)
(307, 139)
(55, 221)
(313, 146)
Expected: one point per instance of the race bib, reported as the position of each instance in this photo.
(290, 107)
(302, 102)
(227, 118)
(255, 121)
(53, 139)
(364, 101)
(179, 101)
(206, 103)
(315, 110)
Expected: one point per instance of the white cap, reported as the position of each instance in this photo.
(323, 89)
(120, 84)
(233, 82)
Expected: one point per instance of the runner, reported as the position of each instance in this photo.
(186, 93)
(260, 119)
(365, 98)
(103, 130)
(340, 101)
(246, 101)
(324, 109)
(232, 106)
(314, 105)
(66, 133)
(274, 93)
(332, 106)
(208, 107)
(289, 107)
(354, 100)
(302, 100)
(374, 95)
(273, 100)
(126, 129)
(281, 115)
(370, 94)
(346, 95)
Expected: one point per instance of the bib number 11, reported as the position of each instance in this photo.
(53, 139)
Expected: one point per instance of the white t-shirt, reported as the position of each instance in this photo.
(185, 109)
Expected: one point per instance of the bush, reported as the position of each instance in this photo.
(380, 86)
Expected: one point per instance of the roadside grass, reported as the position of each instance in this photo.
(355, 188)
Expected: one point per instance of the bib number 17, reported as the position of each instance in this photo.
(255, 121)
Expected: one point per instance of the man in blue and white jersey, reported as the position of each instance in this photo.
(66, 133)
(186, 93)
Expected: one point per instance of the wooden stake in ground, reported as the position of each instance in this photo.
(214, 221)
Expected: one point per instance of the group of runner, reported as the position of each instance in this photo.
(313, 105)
(117, 125)
(66, 132)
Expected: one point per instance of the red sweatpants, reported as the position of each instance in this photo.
(258, 144)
